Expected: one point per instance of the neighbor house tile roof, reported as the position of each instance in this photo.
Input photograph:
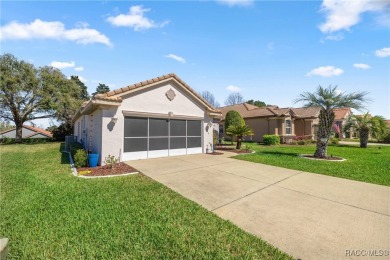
(112, 95)
(37, 130)
(248, 111)
(341, 113)
(307, 112)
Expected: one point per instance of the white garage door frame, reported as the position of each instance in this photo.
(145, 154)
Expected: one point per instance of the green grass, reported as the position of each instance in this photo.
(48, 213)
(371, 164)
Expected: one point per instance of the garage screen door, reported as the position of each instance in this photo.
(157, 137)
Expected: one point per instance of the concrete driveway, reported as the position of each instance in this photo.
(309, 216)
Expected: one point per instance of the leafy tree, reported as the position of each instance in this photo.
(234, 99)
(328, 99)
(257, 103)
(101, 89)
(84, 91)
(233, 118)
(28, 93)
(209, 97)
(366, 124)
(239, 131)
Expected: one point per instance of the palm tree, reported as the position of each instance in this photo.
(239, 131)
(328, 99)
(366, 125)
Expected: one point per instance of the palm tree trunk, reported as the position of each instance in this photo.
(238, 147)
(324, 130)
(363, 133)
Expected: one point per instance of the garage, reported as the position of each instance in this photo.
(146, 137)
(159, 117)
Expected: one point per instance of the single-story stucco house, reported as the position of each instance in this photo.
(159, 117)
(285, 122)
(27, 132)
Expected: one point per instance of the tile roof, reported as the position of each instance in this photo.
(247, 111)
(37, 130)
(111, 96)
(341, 113)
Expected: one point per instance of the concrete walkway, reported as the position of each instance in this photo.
(309, 216)
(357, 143)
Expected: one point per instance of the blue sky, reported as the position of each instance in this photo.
(267, 50)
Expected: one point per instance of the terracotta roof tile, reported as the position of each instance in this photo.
(307, 112)
(39, 130)
(341, 113)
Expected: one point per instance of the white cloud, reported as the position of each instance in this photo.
(176, 58)
(39, 29)
(361, 66)
(326, 71)
(79, 68)
(382, 53)
(233, 88)
(236, 2)
(343, 14)
(83, 79)
(336, 37)
(62, 64)
(135, 19)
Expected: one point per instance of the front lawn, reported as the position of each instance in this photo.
(371, 164)
(48, 213)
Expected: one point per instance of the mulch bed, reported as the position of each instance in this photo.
(117, 169)
(234, 150)
(329, 158)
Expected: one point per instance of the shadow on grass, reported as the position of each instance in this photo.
(64, 155)
(278, 153)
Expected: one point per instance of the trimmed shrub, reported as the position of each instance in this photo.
(301, 142)
(334, 140)
(80, 158)
(271, 139)
(7, 140)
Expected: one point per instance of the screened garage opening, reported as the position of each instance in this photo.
(159, 137)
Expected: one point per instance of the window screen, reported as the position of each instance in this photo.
(177, 142)
(158, 127)
(194, 128)
(194, 142)
(158, 143)
(288, 127)
(135, 144)
(136, 127)
(178, 128)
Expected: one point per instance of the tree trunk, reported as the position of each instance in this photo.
(231, 139)
(18, 136)
(324, 130)
(363, 134)
(238, 147)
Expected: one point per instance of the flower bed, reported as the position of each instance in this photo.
(116, 169)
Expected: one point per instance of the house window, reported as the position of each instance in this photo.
(288, 127)
(220, 129)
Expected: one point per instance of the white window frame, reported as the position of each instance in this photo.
(288, 127)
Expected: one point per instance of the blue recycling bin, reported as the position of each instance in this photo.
(93, 159)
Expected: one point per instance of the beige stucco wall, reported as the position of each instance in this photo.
(259, 126)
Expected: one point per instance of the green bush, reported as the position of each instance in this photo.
(80, 158)
(7, 140)
(386, 139)
(334, 140)
(301, 142)
(271, 139)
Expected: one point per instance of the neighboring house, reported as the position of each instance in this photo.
(285, 122)
(154, 118)
(340, 118)
(27, 132)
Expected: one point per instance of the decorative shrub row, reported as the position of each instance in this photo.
(271, 139)
(7, 140)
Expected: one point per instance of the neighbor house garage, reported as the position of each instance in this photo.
(154, 118)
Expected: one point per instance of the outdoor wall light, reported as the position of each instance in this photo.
(114, 120)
